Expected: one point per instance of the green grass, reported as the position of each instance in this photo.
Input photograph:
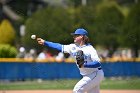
(133, 83)
(48, 84)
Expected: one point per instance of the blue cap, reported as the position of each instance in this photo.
(80, 31)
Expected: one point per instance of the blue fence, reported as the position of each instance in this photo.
(20, 70)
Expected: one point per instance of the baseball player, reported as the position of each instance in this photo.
(87, 61)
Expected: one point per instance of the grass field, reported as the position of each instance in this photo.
(133, 83)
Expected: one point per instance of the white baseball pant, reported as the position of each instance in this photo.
(90, 83)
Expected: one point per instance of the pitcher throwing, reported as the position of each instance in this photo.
(87, 61)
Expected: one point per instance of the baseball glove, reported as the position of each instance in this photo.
(80, 58)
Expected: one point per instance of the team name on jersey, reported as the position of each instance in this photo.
(86, 56)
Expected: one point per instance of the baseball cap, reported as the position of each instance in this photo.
(80, 31)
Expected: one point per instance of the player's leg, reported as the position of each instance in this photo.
(89, 82)
(94, 85)
(79, 86)
(83, 84)
(95, 89)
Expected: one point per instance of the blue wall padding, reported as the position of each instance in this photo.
(54, 70)
(121, 69)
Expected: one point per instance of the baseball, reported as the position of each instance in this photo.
(33, 36)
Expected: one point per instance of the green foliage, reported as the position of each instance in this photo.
(107, 26)
(76, 3)
(131, 29)
(7, 33)
(103, 22)
(85, 18)
(51, 23)
(7, 51)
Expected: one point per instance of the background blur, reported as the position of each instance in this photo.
(113, 26)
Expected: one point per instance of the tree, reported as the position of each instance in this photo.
(7, 51)
(76, 3)
(130, 35)
(84, 17)
(7, 33)
(51, 23)
(107, 25)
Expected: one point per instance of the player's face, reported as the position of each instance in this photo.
(77, 38)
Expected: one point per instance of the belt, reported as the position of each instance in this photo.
(99, 68)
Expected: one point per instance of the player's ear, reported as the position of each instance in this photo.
(83, 37)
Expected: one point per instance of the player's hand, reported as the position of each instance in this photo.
(40, 41)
